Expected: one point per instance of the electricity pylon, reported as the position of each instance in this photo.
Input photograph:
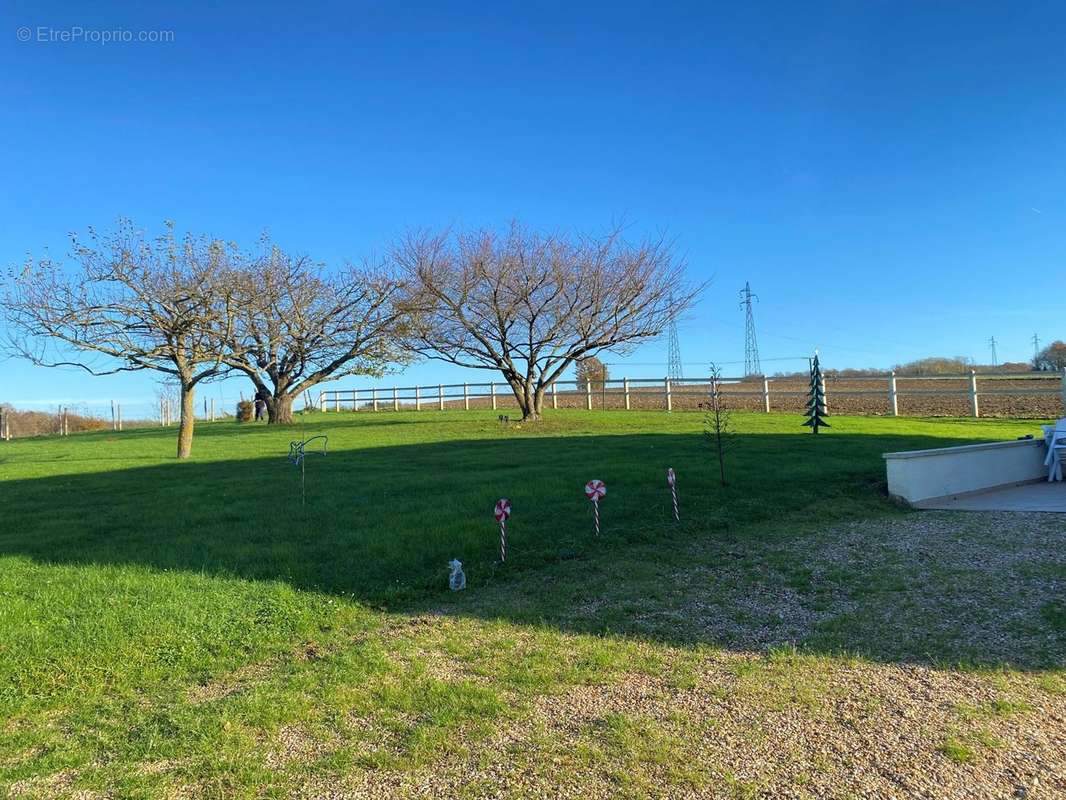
(992, 344)
(751, 344)
(673, 368)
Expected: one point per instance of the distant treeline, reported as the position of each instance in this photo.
(44, 423)
(1052, 357)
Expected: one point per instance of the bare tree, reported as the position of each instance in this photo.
(717, 424)
(298, 326)
(1052, 357)
(132, 303)
(591, 370)
(529, 305)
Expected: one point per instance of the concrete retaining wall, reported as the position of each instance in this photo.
(919, 475)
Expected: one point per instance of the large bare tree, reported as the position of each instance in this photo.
(530, 305)
(299, 325)
(130, 303)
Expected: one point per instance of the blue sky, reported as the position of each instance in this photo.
(888, 175)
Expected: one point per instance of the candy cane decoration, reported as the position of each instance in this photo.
(502, 512)
(672, 480)
(594, 490)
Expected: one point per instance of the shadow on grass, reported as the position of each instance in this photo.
(381, 523)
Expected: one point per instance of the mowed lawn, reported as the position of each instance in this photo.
(193, 630)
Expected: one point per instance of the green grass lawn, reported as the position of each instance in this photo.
(165, 627)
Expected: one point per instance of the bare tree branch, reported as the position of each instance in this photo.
(530, 305)
(163, 304)
(297, 326)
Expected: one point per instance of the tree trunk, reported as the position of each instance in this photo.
(530, 401)
(538, 400)
(279, 410)
(188, 420)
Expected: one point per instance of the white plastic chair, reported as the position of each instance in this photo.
(1055, 439)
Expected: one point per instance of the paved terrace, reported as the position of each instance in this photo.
(1042, 496)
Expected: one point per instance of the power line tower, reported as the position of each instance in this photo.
(751, 344)
(673, 369)
(992, 344)
(1036, 347)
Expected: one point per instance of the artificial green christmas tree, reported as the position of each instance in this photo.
(816, 410)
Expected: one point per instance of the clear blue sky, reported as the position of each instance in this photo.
(888, 175)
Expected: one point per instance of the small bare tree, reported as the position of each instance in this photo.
(298, 326)
(530, 305)
(717, 426)
(132, 303)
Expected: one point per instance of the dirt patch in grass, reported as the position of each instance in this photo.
(227, 685)
(54, 785)
(294, 744)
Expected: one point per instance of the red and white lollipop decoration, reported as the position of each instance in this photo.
(594, 490)
(502, 512)
(672, 480)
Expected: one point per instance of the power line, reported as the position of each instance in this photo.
(1036, 347)
(695, 363)
(751, 344)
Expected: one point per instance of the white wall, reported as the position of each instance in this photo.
(918, 475)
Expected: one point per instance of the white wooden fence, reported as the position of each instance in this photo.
(631, 391)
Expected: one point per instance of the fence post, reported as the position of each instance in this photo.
(336, 401)
(625, 391)
(395, 399)
(118, 409)
(466, 397)
(588, 395)
(669, 395)
(374, 398)
(212, 409)
(974, 407)
(440, 397)
(492, 391)
(555, 393)
(766, 394)
(893, 403)
(825, 396)
(113, 427)
(418, 398)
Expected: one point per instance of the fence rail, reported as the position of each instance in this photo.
(630, 393)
